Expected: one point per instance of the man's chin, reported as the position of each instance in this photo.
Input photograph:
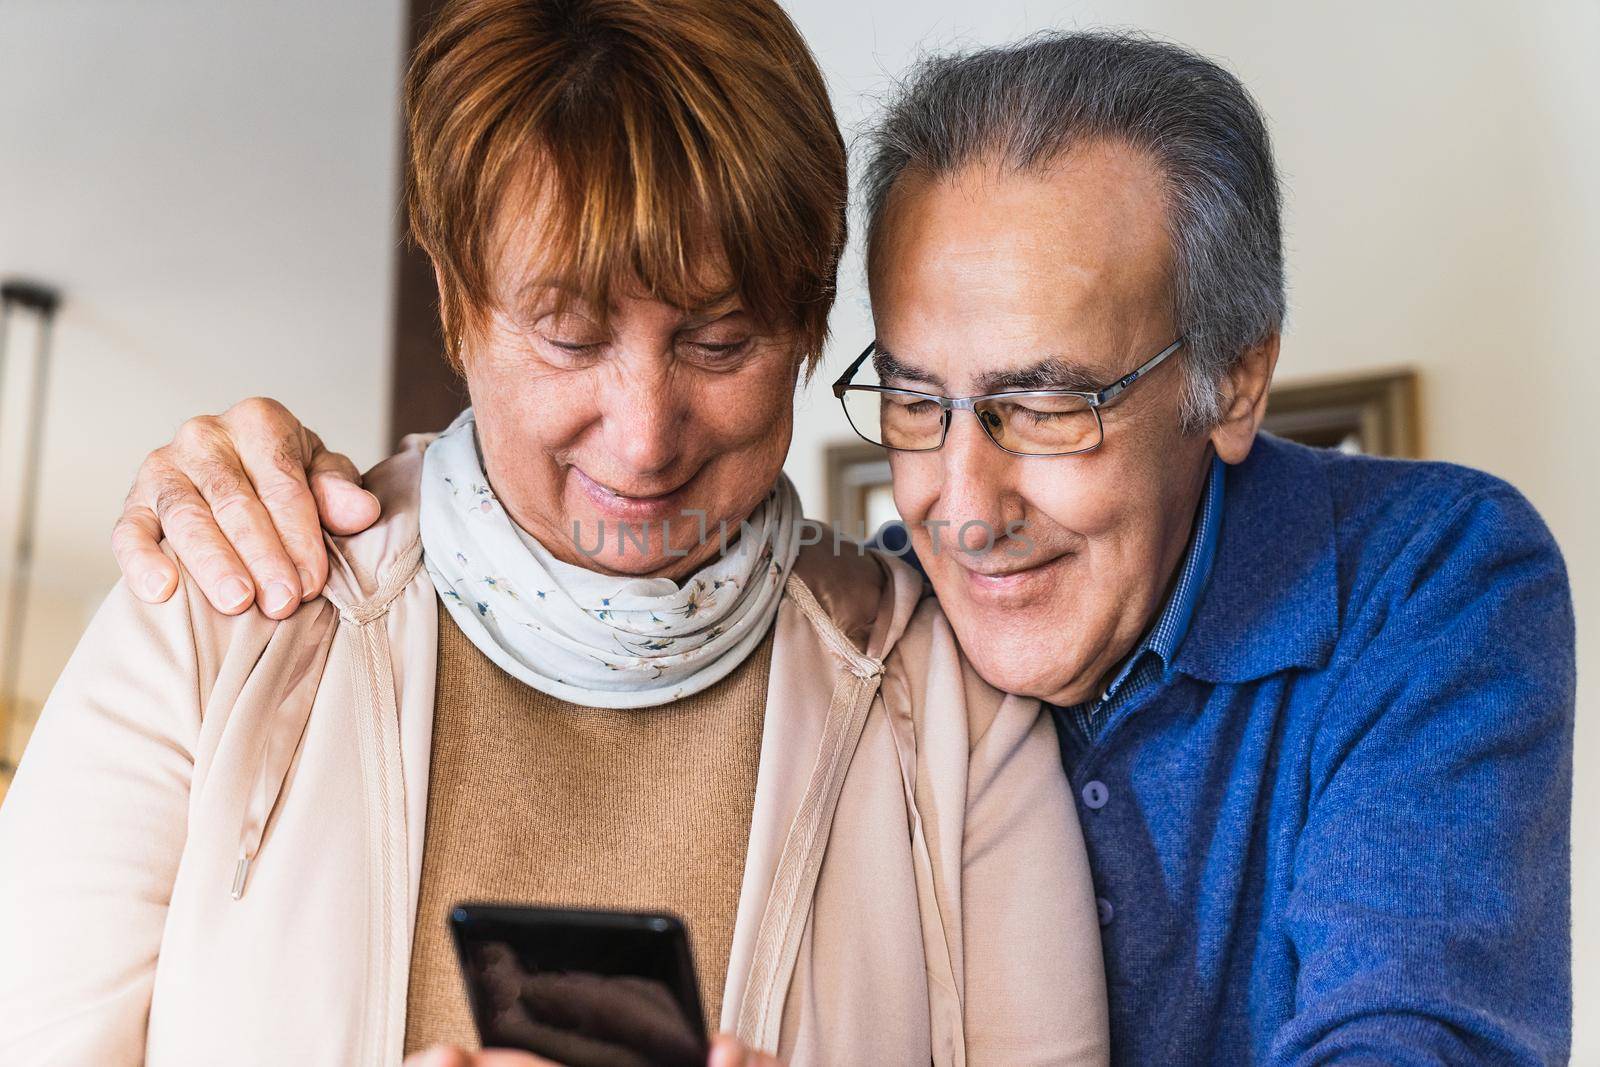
(1018, 663)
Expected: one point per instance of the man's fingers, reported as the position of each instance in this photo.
(274, 453)
(344, 506)
(234, 495)
(185, 518)
(244, 521)
(135, 541)
(202, 453)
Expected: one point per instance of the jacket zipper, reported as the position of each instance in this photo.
(380, 756)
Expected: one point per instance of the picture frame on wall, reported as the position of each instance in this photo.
(1374, 413)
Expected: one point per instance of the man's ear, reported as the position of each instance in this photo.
(1244, 400)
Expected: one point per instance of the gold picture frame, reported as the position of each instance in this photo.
(1373, 413)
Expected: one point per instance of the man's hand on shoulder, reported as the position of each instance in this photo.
(242, 497)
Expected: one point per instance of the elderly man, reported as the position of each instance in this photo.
(1316, 709)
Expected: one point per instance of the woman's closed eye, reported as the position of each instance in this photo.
(570, 349)
(573, 346)
(715, 351)
(571, 334)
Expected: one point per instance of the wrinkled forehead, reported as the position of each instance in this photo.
(990, 270)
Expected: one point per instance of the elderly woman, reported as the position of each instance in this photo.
(236, 839)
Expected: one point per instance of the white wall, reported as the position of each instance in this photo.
(1442, 164)
(212, 184)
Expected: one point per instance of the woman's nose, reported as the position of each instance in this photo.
(644, 422)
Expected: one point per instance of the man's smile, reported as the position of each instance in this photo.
(998, 579)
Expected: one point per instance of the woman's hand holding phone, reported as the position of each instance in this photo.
(582, 987)
(726, 1051)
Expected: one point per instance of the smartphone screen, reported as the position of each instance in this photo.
(583, 988)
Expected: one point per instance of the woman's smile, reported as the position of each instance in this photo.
(635, 507)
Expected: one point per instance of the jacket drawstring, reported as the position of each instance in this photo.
(281, 738)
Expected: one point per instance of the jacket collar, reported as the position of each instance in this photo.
(1272, 603)
(366, 570)
(869, 596)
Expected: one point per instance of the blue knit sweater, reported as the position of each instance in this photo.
(1337, 830)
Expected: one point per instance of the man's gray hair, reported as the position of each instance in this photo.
(1026, 104)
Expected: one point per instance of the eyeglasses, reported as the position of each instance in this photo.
(1032, 422)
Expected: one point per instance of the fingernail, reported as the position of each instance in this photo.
(234, 593)
(279, 596)
(305, 584)
(155, 585)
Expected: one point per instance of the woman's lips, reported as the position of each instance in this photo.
(638, 509)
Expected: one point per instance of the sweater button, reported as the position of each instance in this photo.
(1095, 795)
(1103, 908)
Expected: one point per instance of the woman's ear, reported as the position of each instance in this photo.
(1244, 400)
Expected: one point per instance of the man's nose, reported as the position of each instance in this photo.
(977, 482)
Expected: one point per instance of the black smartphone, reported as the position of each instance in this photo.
(583, 988)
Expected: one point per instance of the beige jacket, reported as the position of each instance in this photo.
(915, 891)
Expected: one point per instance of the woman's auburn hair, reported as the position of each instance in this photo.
(660, 135)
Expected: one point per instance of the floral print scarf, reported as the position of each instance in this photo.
(601, 640)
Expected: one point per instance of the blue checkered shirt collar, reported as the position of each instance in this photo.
(1150, 662)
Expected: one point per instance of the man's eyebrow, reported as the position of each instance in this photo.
(889, 367)
(1045, 374)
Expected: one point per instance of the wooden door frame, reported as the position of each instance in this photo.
(424, 392)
